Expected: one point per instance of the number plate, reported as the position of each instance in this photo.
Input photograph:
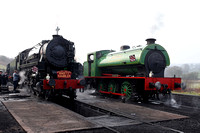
(64, 74)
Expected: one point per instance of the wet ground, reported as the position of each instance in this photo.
(8, 123)
(178, 106)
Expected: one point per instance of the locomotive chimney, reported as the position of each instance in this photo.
(150, 41)
(54, 36)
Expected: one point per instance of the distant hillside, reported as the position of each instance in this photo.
(4, 61)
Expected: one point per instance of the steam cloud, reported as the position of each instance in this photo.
(172, 102)
(158, 24)
(22, 77)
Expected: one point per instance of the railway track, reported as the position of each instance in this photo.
(119, 117)
(123, 115)
(116, 120)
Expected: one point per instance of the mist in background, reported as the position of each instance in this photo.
(102, 25)
(190, 74)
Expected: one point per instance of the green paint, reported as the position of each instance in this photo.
(125, 62)
(154, 47)
(126, 88)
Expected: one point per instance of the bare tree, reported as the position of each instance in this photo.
(173, 71)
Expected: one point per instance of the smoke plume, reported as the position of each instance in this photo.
(22, 77)
(158, 23)
(172, 102)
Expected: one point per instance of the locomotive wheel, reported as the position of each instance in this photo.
(126, 88)
(47, 95)
(72, 94)
(112, 86)
(102, 86)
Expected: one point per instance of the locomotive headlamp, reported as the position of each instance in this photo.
(180, 85)
(82, 82)
(183, 86)
(158, 85)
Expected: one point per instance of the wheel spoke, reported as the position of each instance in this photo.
(126, 89)
(102, 86)
(112, 86)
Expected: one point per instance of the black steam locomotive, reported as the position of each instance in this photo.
(50, 68)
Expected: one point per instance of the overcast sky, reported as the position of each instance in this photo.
(103, 24)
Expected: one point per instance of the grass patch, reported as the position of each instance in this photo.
(2, 67)
(187, 93)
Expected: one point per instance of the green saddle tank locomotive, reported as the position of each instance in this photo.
(137, 72)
